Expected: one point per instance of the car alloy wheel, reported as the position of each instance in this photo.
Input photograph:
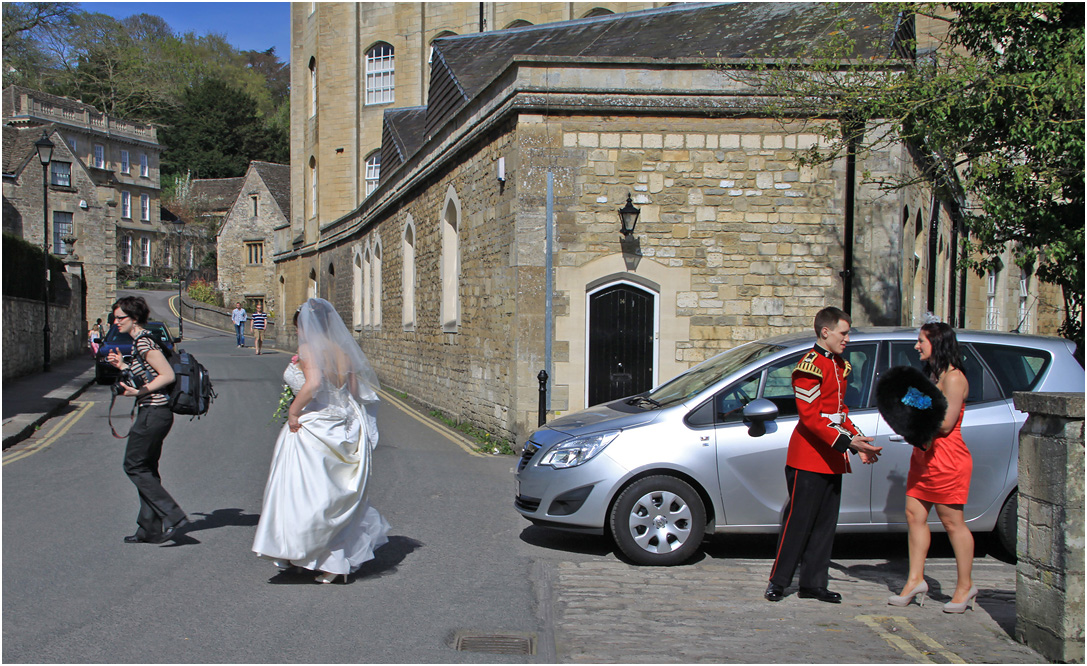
(658, 521)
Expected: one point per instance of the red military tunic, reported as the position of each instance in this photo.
(821, 439)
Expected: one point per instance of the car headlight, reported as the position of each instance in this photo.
(578, 450)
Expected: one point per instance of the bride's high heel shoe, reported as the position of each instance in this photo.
(961, 607)
(918, 590)
(283, 565)
(329, 577)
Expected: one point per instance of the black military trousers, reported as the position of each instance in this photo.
(142, 454)
(807, 528)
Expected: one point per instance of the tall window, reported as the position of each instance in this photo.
(144, 170)
(375, 284)
(357, 286)
(450, 305)
(255, 252)
(373, 171)
(166, 256)
(124, 161)
(380, 74)
(312, 87)
(191, 256)
(255, 201)
(408, 278)
(313, 186)
(145, 251)
(366, 285)
(60, 173)
(145, 207)
(73, 144)
(62, 227)
(126, 250)
(1024, 285)
(126, 205)
(99, 156)
(990, 305)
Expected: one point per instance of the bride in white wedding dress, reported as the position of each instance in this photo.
(315, 514)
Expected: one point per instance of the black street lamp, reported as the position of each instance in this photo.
(179, 226)
(628, 218)
(45, 154)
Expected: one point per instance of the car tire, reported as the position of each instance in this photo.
(658, 521)
(1007, 525)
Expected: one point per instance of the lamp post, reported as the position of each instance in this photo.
(628, 217)
(45, 153)
(179, 226)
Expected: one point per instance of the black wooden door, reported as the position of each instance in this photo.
(620, 342)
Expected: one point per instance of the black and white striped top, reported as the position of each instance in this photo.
(145, 343)
(260, 320)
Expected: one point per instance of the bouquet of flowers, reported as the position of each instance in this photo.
(286, 396)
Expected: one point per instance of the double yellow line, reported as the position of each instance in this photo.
(462, 442)
(901, 634)
(62, 426)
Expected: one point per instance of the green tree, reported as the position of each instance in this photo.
(29, 30)
(215, 132)
(994, 103)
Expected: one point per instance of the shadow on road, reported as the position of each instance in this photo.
(570, 542)
(386, 560)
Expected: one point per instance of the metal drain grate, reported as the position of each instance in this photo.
(466, 641)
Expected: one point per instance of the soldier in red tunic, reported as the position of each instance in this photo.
(817, 458)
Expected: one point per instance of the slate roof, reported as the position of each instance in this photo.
(278, 179)
(18, 146)
(401, 135)
(728, 31)
(217, 194)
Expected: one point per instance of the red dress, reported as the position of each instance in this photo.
(942, 473)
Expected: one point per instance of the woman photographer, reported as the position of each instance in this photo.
(160, 517)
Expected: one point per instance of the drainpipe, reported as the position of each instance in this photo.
(549, 240)
(961, 319)
(933, 237)
(952, 274)
(850, 196)
(482, 21)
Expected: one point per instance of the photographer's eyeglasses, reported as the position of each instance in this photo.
(116, 318)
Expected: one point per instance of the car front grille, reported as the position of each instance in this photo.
(531, 448)
(527, 503)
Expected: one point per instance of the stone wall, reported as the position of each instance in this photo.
(23, 323)
(1050, 573)
(219, 319)
(238, 278)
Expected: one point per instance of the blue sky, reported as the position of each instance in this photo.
(247, 25)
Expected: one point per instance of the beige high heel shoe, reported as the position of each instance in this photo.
(961, 607)
(918, 590)
(328, 577)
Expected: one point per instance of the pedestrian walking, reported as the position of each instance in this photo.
(150, 377)
(939, 475)
(238, 315)
(95, 336)
(257, 322)
(315, 514)
(816, 459)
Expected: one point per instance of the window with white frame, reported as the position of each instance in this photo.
(192, 254)
(124, 161)
(144, 169)
(450, 263)
(408, 278)
(60, 173)
(1024, 286)
(99, 156)
(366, 285)
(126, 205)
(313, 186)
(73, 143)
(373, 171)
(62, 228)
(166, 256)
(375, 283)
(145, 251)
(145, 207)
(991, 310)
(126, 250)
(380, 74)
(312, 87)
(356, 289)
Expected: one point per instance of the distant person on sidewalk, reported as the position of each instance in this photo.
(815, 462)
(95, 335)
(258, 322)
(238, 316)
(160, 516)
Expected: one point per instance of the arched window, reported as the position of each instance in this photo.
(367, 285)
(519, 23)
(311, 287)
(380, 74)
(450, 226)
(443, 33)
(375, 283)
(373, 171)
(312, 186)
(312, 87)
(408, 275)
(356, 289)
(597, 11)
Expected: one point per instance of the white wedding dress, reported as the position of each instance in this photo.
(315, 513)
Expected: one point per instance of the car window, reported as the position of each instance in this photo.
(116, 337)
(862, 359)
(709, 372)
(730, 401)
(779, 385)
(983, 388)
(161, 336)
(1016, 368)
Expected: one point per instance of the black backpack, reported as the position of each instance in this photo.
(191, 393)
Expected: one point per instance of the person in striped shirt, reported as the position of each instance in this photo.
(257, 323)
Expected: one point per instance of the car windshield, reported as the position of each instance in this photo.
(709, 372)
(116, 337)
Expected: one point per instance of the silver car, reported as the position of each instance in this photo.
(706, 450)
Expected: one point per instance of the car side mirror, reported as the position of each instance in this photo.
(177, 339)
(757, 414)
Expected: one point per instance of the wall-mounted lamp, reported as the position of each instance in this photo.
(502, 169)
(628, 217)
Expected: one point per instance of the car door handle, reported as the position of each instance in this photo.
(897, 438)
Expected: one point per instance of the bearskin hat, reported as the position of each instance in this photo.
(911, 404)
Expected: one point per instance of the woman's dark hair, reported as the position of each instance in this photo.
(133, 306)
(945, 349)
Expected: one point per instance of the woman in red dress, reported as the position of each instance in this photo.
(940, 475)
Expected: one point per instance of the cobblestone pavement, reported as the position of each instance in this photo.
(713, 611)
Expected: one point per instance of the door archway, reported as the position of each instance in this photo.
(622, 331)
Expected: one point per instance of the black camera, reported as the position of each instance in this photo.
(126, 377)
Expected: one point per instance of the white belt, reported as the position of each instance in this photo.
(837, 418)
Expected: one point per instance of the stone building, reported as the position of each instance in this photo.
(490, 247)
(104, 190)
(246, 239)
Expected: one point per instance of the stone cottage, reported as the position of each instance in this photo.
(245, 240)
(491, 247)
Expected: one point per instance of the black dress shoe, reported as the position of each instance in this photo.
(774, 592)
(136, 538)
(820, 593)
(171, 531)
